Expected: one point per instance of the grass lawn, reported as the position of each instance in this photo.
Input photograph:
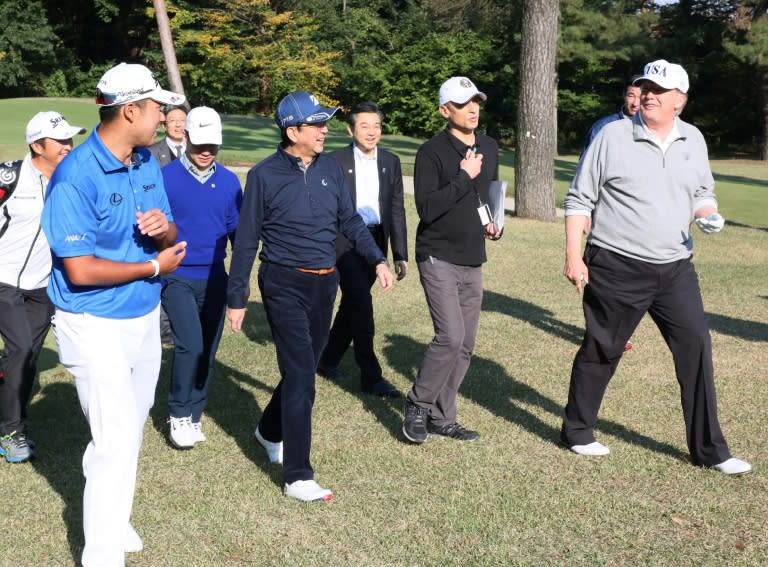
(514, 498)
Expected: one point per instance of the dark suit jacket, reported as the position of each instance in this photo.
(162, 152)
(391, 205)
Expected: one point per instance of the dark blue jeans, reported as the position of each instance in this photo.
(299, 308)
(195, 309)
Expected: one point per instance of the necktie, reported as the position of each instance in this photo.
(178, 151)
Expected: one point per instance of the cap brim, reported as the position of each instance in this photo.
(65, 134)
(166, 97)
(322, 115)
(481, 95)
(204, 140)
(655, 80)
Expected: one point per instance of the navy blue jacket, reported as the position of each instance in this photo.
(296, 215)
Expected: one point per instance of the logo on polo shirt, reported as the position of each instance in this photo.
(116, 198)
(148, 187)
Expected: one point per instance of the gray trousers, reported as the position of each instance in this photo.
(454, 296)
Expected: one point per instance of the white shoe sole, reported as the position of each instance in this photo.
(593, 449)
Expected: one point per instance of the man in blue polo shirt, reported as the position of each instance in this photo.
(108, 223)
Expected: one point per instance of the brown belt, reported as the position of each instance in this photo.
(318, 271)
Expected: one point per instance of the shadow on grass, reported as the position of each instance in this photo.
(231, 403)
(488, 385)
(742, 225)
(61, 435)
(739, 179)
(532, 314)
(748, 330)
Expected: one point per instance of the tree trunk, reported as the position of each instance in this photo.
(166, 41)
(762, 77)
(536, 125)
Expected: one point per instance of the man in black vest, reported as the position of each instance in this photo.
(375, 180)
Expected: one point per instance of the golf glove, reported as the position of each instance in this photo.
(711, 224)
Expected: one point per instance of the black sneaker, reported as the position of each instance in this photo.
(330, 372)
(452, 431)
(415, 422)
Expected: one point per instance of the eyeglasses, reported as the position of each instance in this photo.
(318, 125)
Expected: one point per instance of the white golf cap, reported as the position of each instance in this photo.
(459, 90)
(51, 124)
(129, 82)
(204, 126)
(665, 74)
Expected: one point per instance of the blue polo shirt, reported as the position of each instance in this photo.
(90, 210)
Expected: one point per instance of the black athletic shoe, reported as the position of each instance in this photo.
(452, 431)
(382, 389)
(415, 422)
(330, 372)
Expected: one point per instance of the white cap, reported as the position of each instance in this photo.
(129, 82)
(204, 126)
(665, 74)
(51, 125)
(459, 90)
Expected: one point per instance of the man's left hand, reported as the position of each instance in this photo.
(401, 268)
(711, 223)
(153, 223)
(386, 279)
(491, 231)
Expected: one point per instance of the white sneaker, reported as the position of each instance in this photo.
(734, 467)
(197, 432)
(307, 491)
(593, 449)
(181, 432)
(133, 542)
(274, 450)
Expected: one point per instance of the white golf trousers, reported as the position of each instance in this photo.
(115, 363)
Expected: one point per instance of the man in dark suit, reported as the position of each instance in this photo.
(173, 145)
(375, 180)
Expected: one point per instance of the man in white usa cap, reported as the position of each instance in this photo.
(25, 310)
(648, 179)
(112, 235)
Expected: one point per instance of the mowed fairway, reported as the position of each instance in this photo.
(514, 498)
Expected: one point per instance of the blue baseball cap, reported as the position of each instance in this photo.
(301, 108)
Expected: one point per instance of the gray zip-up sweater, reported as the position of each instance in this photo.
(642, 199)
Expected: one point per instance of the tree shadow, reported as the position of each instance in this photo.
(532, 314)
(61, 434)
(488, 385)
(739, 180)
(386, 411)
(748, 330)
(231, 403)
(749, 226)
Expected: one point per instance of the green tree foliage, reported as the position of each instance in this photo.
(601, 44)
(241, 55)
(27, 45)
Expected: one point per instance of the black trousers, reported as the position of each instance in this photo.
(620, 291)
(354, 323)
(25, 317)
(299, 308)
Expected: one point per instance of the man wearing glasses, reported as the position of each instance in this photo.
(173, 145)
(295, 203)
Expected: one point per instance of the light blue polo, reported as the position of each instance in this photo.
(90, 209)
